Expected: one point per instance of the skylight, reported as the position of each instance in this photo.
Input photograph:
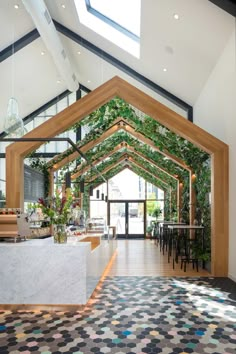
(116, 20)
(118, 12)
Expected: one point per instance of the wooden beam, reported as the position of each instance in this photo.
(124, 125)
(156, 184)
(151, 161)
(219, 218)
(149, 142)
(146, 170)
(84, 169)
(122, 159)
(86, 147)
(170, 119)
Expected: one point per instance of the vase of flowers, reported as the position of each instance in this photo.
(59, 233)
(58, 211)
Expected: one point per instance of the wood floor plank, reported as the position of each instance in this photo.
(143, 258)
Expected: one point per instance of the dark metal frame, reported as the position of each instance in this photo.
(19, 44)
(110, 22)
(55, 139)
(226, 5)
(126, 202)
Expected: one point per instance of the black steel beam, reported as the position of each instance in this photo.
(45, 155)
(19, 44)
(75, 147)
(226, 5)
(125, 68)
(47, 105)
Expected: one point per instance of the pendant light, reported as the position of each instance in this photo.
(68, 179)
(97, 193)
(91, 191)
(106, 198)
(81, 186)
(13, 125)
(102, 196)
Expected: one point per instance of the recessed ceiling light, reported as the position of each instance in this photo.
(42, 52)
(176, 16)
(88, 81)
(164, 69)
(79, 52)
(63, 6)
(58, 81)
(16, 6)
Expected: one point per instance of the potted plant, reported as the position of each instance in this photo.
(157, 212)
(149, 231)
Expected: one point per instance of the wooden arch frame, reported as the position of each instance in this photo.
(130, 167)
(218, 150)
(117, 126)
(117, 148)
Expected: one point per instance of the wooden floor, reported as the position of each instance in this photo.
(143, 258)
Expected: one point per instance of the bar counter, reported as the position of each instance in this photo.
(40, 272)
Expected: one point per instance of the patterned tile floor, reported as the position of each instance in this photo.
(134, 315)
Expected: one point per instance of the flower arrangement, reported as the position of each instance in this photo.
(57, 209)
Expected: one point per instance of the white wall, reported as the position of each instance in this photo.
(215, 111)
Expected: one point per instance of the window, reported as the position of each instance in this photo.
(116, 20)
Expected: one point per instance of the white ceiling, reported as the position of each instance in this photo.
(189, 48)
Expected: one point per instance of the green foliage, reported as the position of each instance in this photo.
(57, 208)
(157, 212)
(164, 139)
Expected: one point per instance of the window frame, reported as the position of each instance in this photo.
(111, 22)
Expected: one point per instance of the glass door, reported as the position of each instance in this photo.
(116, 217)
(135, 219)
(128, 217)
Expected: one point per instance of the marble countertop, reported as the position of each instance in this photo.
(48, 242)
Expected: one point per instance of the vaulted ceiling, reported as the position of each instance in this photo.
(189, 48)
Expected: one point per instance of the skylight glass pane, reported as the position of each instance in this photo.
(124, 12)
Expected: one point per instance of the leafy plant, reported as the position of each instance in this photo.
(57, 209)
(157, 212)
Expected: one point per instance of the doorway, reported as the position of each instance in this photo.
(129, 217)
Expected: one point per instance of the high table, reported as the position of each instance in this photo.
(184, 243)
(40, 272)
(164, 235)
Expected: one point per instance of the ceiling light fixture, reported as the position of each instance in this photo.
(63, 6)
(13, 124)
(42, 53)
(16, 6)
(165, 70)
(176, 16)
(58, 81)
(79, 52)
